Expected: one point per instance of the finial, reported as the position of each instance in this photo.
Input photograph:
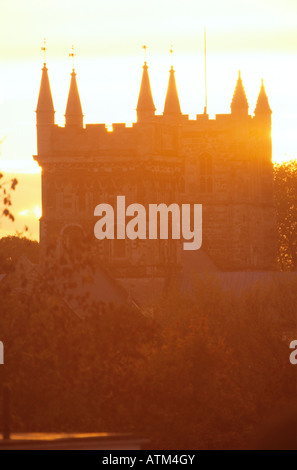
(144, 47)
(205, 75)
(171, 53)
(72, 54)
(44, 49)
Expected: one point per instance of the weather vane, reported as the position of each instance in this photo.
(44, 49)
(171, 52)
(144, 47)
(72, 54)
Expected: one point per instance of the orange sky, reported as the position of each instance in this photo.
(258, 37)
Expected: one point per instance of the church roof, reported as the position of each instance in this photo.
(172, 105)
(98, 288)
(237, 282)
(145, 98)
(262, 106)
(239, 100)
(74, 114)
(45, 100)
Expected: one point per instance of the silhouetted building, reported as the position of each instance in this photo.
(224, 163)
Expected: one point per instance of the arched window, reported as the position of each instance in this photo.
(72, 239)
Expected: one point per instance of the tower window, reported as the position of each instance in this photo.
(72, 238)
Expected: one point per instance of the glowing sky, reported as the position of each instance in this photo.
(258, 37)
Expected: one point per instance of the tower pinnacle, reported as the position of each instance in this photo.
(239, 104)
(45, 114)
(262, 106)
(145, 105)
(172, 105)
(45, 106)
(74, 115)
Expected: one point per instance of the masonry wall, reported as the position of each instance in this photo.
(224, 163)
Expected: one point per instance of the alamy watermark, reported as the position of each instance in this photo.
(293, 355)
(1, 353)
(160, 219)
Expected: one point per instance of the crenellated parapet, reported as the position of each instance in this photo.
(223, 163)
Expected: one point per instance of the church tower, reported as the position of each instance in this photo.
(223, 163)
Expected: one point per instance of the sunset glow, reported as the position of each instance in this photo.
(259, 38)
(148, 228)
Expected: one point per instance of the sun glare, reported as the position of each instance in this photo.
(37, 212)
(34, 212)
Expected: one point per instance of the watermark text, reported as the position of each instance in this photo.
(1, 353)
(161, 222)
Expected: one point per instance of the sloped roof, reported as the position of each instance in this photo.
(97, 289)
(239, 281)
(198, 261)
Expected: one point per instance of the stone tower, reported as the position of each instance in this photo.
(224, 163)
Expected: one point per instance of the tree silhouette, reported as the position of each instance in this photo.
(285, 178)
(6, 186)
(202, 374)
(13, 247)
